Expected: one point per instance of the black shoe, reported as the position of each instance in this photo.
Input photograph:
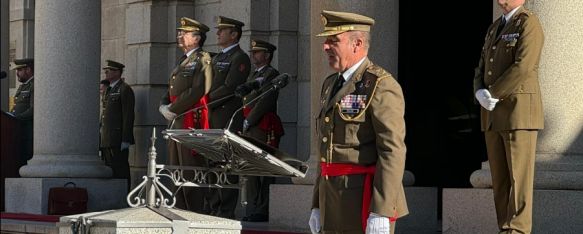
(256, 218)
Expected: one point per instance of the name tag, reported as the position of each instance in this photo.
(222, 65)
(510, 37)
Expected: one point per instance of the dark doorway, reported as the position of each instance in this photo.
(437, 57)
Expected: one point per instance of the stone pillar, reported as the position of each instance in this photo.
(559, 155)
(66, 91)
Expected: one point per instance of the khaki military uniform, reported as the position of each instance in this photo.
(258, 187)
(508, 68)
(361, 125)
(23, 110)
(117, 126)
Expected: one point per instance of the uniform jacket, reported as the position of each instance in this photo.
(24, 101)
(190, 81)
(508, 68)
(117, 120)
(267, 103)
(372, 136)
(230, 70)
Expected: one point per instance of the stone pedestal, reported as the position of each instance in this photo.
(144, 221)
(472, 211)
(30, 195)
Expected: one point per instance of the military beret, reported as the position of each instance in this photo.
(259, 45)
(190, 25)
(224, 22)
(20, 63)
(336, 22)
(113, 65)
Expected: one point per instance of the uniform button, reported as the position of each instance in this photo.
(493, 47)
(173, 77)
(326, 119)
(325, 139)
(489, 73)
(171, 86)
(491, 60)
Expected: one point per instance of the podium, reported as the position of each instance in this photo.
(227, 153)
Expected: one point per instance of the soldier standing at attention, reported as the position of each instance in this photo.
(506, 85)
(362, 132)
(230, 69)
(188, 87)
(24, 105)
(117, 122)
(261, 122)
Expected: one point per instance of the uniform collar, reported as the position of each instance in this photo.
(28, 81)
(114, 83)
(191, 51)
(225, 50)
(350, 71)
(508, 16)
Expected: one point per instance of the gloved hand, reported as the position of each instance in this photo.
(315, 221)
(486, 100)
(165, 111)
(377, 224)
(245, 125)
(125, 145)
(244, 89)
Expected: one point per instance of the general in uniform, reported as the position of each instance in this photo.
(184, 105)
(230, 69)
(23, 109)
(361, 130)
(506, 85)
(117, 122)
(261, 122)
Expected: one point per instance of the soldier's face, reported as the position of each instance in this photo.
(112, 74)
(226, 37)
(339, 50)
(509, 5)
(23, 74)
(259, 58)
(187, 40)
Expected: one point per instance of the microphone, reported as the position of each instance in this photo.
(2, 74)
(278, 82)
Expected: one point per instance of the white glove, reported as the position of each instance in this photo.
(486, 99)
(315, 221)
(377, 224)
(125, 145)
(165, 111)
(245, 125)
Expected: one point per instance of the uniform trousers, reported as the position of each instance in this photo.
(512, 155)
(117, 159)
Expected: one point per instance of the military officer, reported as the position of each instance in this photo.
(24, 105)
(506, 86)
(184, 104)
(261, 122)
(362, 131)
(117, 122)
(230, 69)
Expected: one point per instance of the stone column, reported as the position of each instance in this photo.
(559, 155)
(67, 67)
(4, 56)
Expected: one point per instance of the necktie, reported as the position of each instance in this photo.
(182, 59)
(337, 85)
(501, 26)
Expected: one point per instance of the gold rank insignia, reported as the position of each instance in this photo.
(182, 22)
(253, 43)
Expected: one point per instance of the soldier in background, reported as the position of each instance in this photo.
(362, 136)
(188, 87)
(507, 87)
(230, 69)
(117, 122)
(23, 109)
(261, 122)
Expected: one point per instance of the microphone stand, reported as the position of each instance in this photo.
(198, 108)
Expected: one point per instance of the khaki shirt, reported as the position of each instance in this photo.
(508, 68)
